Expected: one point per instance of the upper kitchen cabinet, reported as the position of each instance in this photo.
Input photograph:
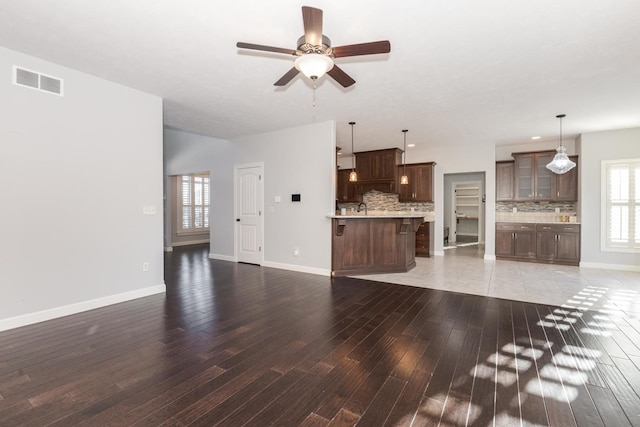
(504, 180)
(533, 181)
(567, 184)
(378, 165)
(420, 186)
(346, 191)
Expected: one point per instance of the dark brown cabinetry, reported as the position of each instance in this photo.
(378, 165)
(558, 243)
(567, 184)
(528, 179)
(420, 186)
(346, 191)
(504, 180)
(533, 181)
(515, 240)
(547, 243)
(423, 240)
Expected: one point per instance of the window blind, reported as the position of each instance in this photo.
(621, 216)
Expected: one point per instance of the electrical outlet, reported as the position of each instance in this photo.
(145, 266)
(557, 210)
(148, 210)
(296, 252)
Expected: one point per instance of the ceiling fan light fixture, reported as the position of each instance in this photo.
(561, 163)
(314, 65)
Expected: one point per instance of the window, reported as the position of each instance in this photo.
(193, 203)
(621, 205)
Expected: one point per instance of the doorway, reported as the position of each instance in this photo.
(249, 205)
(464, 209)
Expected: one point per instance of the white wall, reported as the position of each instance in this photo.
(595, 147)
(76, 172)
(298, 160)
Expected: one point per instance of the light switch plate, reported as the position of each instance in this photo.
(148, 210)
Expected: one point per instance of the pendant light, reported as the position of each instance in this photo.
(353, 176)
(404, 179)
(561, 163)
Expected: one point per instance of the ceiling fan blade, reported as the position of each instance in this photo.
(265, 48)
(287, 77)
(340, 76)
(370, 48)
(312, 19)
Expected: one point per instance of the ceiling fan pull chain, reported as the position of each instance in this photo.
(314, 94)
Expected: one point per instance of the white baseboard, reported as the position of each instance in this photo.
(190, 242)
(620, 267)
(66, 310)
(299, 268)
(222, 257)
(438, 253)
(489, 257)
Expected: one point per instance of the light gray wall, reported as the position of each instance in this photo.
(298, 160)
(76, 172)
(595, 147)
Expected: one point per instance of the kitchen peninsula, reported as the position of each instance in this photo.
(375, 242)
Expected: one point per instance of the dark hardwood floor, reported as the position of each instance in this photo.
(235, 344)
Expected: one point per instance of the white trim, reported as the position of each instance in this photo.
(603, 266)
(489, 257)
(438, 253)
(222, 257)
(190, 242)
(168, 249)
(298, 268)
(66, 310)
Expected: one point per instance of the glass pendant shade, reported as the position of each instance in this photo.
(404, 179)
(353, 176)
(561, 163)
(314, 65)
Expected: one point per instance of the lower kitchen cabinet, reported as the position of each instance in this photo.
(423, 240)
(515, 240)
(558, 243)
(545, 243)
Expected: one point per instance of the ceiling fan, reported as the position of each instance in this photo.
(314, 53)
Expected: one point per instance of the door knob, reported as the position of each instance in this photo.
(237, 219)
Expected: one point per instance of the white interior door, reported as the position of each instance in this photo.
(249, 207)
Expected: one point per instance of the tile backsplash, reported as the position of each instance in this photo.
(536, 206)
(379, 201)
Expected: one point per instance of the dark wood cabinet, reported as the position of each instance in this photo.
(558, 243)
(423, 240)
(346, 191)
(528, 179)
(547, 243)
(567, 184)
(504, 180)
(515, 240)
(420, 186)
(533, 181)
(378, 165)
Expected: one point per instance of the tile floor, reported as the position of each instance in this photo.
(464, 270)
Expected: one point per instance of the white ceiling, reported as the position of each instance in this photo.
(459, 71)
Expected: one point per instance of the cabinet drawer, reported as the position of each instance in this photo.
(514, 226)
(559, 228)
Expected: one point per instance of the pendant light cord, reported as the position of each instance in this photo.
(404, 155)
(561, 116)
(353, 155)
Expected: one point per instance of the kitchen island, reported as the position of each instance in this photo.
(376, 242)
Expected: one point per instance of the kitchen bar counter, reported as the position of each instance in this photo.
(378, 242)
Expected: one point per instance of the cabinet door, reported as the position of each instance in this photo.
(524, 172)
(545, 180)
(364, 166)
(524, 244)
(386, 165)
(504, 181)
(504, 243)
(567, 184)
(405, 192)
(423, 240)
(346, 191)
(546, 245)
(568, 247)
(423, 188)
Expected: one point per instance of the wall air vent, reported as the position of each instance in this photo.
(38, 81)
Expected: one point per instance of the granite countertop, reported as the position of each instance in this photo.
(532, 221)
(428, 216)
